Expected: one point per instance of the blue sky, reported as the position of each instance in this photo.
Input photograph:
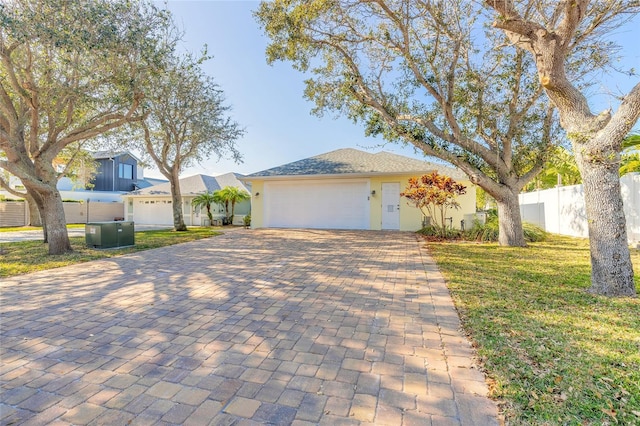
(267, 100)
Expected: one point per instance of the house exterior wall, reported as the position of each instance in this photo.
(93, 212)
(108, 177)
(104, 179)
(193, 216)
(410, 217)
(257, 205)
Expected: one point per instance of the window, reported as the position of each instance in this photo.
(125, 171)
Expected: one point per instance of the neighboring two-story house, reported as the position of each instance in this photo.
(117, 171)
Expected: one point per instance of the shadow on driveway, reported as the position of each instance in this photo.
(264, 326)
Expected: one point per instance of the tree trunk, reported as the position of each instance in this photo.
(34, 213)
(40, 207)
(611, 268)
(176, 201)
(233, 212)
(509, 219)
(53, 217)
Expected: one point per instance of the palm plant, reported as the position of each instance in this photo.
(232, 195)
(206, 200)
(559, 169)
(630, 160)
(219, 198)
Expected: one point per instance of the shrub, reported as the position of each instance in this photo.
(483, 232)
(433, 231)
(533, 233)
(489, 231)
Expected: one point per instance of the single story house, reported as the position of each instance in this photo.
(346, 189)
(153, 205)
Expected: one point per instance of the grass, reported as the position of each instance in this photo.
(554, 353)
(37, 228)
(30, 256)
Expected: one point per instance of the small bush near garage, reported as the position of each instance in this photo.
(484, 232)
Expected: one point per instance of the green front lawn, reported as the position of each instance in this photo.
(554, 354)
(30, 256)
(36, 228)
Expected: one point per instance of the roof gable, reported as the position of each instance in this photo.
(353, 161)
(104, 155)
(193, 185)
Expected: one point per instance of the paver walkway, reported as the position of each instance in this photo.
(252, 327)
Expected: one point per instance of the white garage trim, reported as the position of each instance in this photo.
(320, 204)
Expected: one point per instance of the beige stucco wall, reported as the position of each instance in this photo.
(257, 207)
(410, 216)
(93, 211)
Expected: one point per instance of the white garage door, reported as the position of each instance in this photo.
(336, 204)
(152, 212)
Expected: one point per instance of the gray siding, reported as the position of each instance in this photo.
(108, 177)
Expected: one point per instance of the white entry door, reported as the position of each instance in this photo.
(391, 205)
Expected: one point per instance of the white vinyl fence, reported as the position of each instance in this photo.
(561, 210)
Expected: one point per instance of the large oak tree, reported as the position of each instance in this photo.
(553, 33)
(69, 71)
(427, 74)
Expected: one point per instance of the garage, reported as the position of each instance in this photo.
(345, 189)
(152, 212)
(319, 204)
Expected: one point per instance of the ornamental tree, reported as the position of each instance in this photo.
(562, 37)
(434, 194)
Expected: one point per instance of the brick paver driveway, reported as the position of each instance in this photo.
(252, 327)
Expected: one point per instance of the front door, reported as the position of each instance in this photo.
(391, 205)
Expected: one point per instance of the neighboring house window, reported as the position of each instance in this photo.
(125, 171)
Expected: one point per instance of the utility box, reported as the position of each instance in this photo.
(103, 235)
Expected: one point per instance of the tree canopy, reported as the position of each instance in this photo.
(426, 74)
(187, 121)
(435, 75)
(566, 39)
(69, 71)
